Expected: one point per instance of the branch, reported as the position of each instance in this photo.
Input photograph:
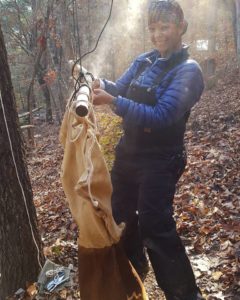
(28, 113)
(40, 53)
(19, 13)
(19, 41)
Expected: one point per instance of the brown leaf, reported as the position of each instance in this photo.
(216, 275)
(32, 291)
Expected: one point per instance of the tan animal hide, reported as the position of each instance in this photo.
(104, 271)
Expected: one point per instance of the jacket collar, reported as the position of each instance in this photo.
(173, 59)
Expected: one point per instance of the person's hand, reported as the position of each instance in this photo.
(101, 97)
(96, 84)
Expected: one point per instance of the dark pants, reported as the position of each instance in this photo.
(143, 192)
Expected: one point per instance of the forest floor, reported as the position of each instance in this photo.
(206, 204)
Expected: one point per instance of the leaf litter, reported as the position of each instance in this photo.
(206, 203)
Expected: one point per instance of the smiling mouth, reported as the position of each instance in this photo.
(160, 43)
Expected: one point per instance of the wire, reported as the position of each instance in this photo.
(81, 75)
(77, 29)
(95, 47)
(19, 181)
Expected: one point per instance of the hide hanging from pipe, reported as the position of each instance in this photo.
(104, 270)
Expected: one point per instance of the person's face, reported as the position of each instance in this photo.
(166, 36)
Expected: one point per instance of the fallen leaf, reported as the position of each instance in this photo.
(216, 275)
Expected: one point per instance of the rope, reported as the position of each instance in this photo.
(91, 132)
(91, 126)
(81, 75)
(91, 168)
(19, 181)
(76, 25)
(98, 39)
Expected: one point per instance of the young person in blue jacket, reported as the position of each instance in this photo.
(154, 98)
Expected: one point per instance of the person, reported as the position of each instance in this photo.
(154, 97)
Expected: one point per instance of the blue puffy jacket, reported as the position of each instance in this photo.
(176, 94)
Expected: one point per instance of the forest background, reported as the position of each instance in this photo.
(44, 37)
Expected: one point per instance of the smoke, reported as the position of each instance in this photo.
(123, 39)
(126, 35)
(134, 13)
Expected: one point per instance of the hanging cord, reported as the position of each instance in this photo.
(95, 47)
(19, 181)
(91, 126)
(91, 131)
(82, 76)
(91, 167)
(74, 28)
(76, 25)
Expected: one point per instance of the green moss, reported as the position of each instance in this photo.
(110, 131)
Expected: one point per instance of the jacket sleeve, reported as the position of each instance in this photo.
(179, 97)
(122, 84)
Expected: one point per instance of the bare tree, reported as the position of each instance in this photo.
(212, 26)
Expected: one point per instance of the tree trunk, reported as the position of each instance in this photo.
(212, 26)
(19, 257)
(234, 25)
(47, 97)
(66, 29)
(238, 28)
